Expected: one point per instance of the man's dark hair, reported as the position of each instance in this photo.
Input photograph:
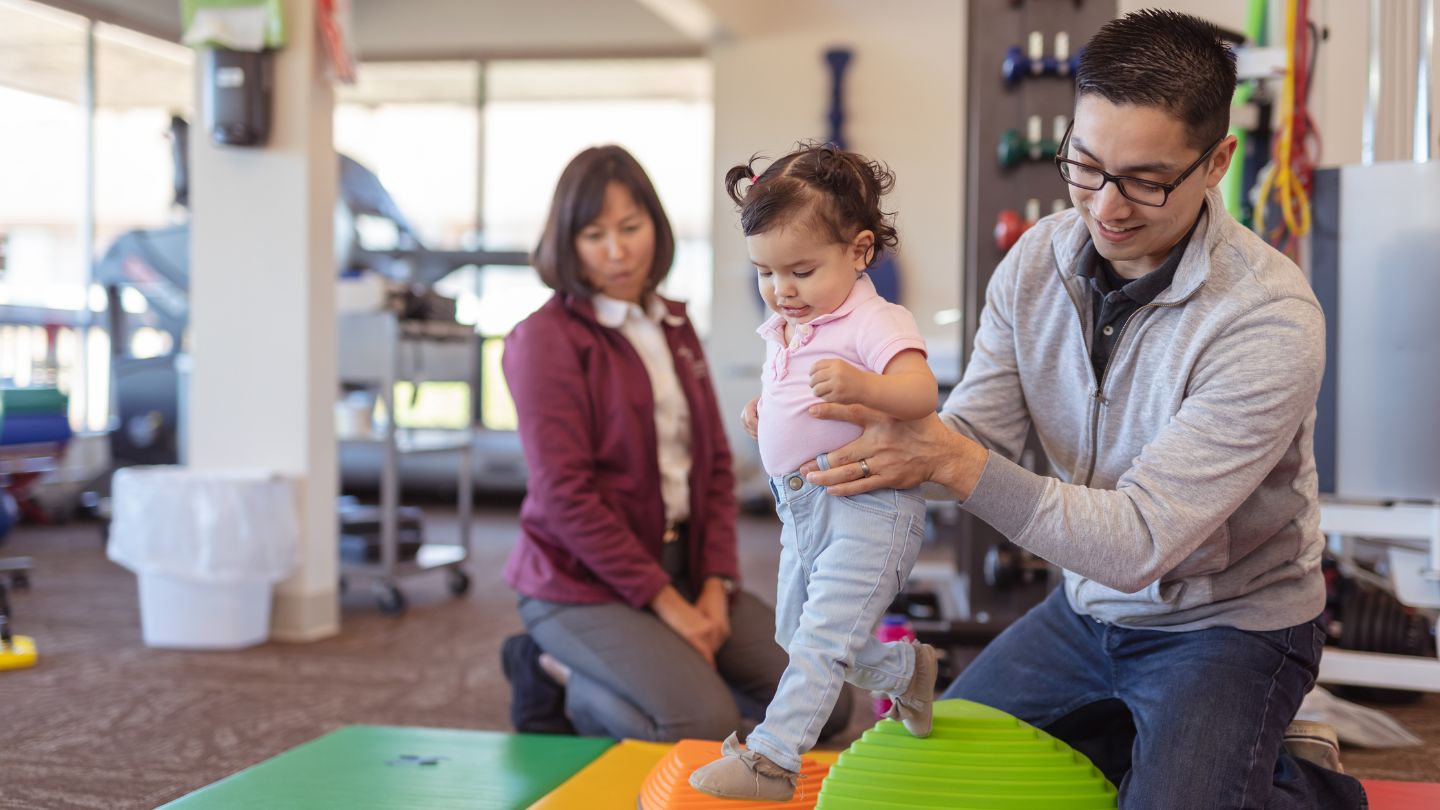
(579, 199)
(1165, 59)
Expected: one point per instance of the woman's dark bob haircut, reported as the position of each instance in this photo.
(579, 198)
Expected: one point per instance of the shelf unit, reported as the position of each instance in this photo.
(1412, 533)
(380, 350)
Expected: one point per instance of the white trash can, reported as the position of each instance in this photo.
(208, 547)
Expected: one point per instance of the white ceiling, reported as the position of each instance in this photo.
(42, 46)
(42, 51)
(447, 28)
(464, 28)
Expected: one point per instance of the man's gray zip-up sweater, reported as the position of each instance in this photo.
(1186, 494)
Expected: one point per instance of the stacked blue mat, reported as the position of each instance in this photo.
(33, 416)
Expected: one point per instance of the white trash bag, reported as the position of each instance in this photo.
(207, 547)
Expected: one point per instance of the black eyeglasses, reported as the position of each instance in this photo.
(1140, 192)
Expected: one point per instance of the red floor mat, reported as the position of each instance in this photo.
(1402, 795)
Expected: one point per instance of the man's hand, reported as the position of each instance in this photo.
(750, 418)
(838, 381)
(899, 454)
(689, 623)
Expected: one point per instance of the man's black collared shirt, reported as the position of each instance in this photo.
(1114, 299)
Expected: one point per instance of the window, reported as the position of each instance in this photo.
(539, 114)
(42, 155)
(56, 215)
(140, 83)
(416, 126)
(473, 169)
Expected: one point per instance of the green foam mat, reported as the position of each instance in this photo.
(977, 758)
(362, 767)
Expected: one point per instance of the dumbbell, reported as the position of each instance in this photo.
(1014, 149)
(1010, 225)
(1007, 565)
(1063, 63)
(1017, 64)
(1032, 61)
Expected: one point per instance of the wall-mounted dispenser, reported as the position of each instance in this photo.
(237, 40)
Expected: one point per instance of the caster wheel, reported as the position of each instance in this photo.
(459, 582)
(390, 600)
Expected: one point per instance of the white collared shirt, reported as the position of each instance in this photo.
(672, 410)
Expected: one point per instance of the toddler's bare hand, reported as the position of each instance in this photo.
(750, 418)
(838, 381)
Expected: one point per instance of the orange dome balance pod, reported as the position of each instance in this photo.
(668, 785)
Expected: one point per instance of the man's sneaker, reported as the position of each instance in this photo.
(1314, 742)
(913, 708)
(743, 774)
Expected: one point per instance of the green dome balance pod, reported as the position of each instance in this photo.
(977, 757)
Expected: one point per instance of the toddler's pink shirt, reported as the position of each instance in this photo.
(866, 331)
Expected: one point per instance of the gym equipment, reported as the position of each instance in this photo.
(155, 264)
(1362, 616)
(975, 757)
(1370, 443)
(1032, 62)
(1297, 141)
(885, 271)
(1015, 149)
(360, 532)
(838, 59)
(16, 652)
(1250, 144)
(1010, 225)
(1008, 565)
(971, 612)
(373, 767)
(367, 768)
(383, 350)
(667, 787)
(1376, 452)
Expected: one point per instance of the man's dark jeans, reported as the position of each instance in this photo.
(1175, 719)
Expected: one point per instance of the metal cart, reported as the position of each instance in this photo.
(380, 350)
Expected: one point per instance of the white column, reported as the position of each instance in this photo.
(262, 320)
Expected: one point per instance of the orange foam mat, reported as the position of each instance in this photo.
(668, 785)
(1385, 795)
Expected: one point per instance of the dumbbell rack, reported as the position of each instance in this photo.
(995, 105)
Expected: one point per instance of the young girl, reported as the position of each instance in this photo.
(813, 224)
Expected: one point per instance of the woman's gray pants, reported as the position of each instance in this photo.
(635, 678)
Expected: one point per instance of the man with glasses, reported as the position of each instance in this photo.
(1169, 361)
